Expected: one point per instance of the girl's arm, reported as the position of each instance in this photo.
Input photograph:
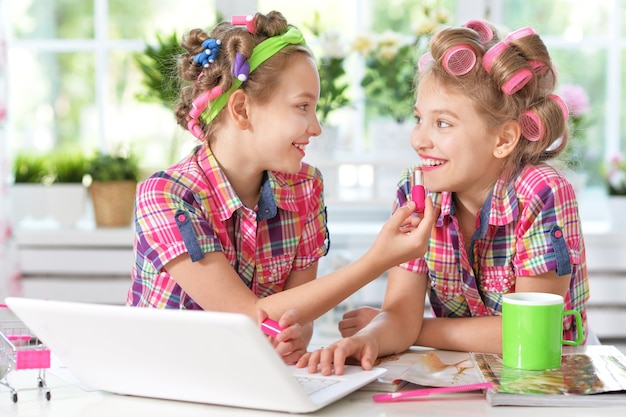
(393, 330)
(483, 334)
(214, 285)
(399, 323)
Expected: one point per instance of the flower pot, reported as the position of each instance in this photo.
(617, 210)
(28, 202)
(66, 203)
(113, 202)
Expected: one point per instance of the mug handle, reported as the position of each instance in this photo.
(579, 328)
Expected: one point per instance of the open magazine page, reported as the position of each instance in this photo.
(424, 367)
(592, 376)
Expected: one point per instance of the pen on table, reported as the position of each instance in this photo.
(424, 392)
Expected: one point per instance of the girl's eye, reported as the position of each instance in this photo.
(304, 106)
(443, 123)
(418, 119)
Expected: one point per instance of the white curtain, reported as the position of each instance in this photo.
(9, 271)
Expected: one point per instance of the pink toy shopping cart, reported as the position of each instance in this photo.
(20, 349)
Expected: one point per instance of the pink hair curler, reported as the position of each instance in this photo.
(538, 67)
(459, 60)
(199, 104)
(247, 21)
(194, 127)
(202, 101)
(561, 104)
(493, 53)
(532, 127)
(519, 34)
(424, 60)
(517, 81)
(484, 31)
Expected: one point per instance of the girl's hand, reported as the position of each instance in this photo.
(355, 320)
(404, 236)
(333, 358)
(290, 343)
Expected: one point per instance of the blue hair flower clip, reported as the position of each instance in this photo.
(211, 48)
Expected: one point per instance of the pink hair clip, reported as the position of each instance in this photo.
(519, 33)
(561, 104)
(517, 81)
(247, 21)
(484, 31)
(494, 52)
(459, 60)
(532, 127)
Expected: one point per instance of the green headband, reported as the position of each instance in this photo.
(261, 53)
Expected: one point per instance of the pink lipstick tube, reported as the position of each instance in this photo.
(418, 193)
(271, 327)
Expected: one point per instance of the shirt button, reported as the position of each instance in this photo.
(182, 218)
(558, 234)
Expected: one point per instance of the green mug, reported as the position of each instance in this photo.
(532, 330)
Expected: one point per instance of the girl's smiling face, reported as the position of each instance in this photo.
(457, 149)
(285, 123)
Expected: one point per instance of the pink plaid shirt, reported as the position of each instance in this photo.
(192, 208)
(526, 227)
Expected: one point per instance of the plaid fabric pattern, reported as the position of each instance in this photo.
(287, 230)
(527, 227)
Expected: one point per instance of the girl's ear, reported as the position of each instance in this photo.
(509, 135)
(238, 108)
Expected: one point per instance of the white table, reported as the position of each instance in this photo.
(68, 400)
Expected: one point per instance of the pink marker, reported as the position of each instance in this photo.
(271, 327)
(418, 193)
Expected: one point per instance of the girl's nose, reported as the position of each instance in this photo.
(419, 138)
(315, 129)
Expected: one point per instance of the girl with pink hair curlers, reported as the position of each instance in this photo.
(486, 123)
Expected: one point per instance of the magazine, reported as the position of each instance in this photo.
(593, 375)
(424, 367)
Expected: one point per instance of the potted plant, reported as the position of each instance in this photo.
(158, 66)
(113, 181)
(331, 53)
(67, 195)
(616, 185)
(28, 193)
(616, 176)
(391, 59)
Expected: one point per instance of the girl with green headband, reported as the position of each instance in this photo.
(239, 224)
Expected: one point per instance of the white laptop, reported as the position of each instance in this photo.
(197, 356)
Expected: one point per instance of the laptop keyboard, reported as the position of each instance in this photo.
(312, 385)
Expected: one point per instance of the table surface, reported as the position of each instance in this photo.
(69, 400)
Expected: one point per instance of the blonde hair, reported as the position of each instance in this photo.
(492, 85)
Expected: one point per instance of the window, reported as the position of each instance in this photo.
(74, 82)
